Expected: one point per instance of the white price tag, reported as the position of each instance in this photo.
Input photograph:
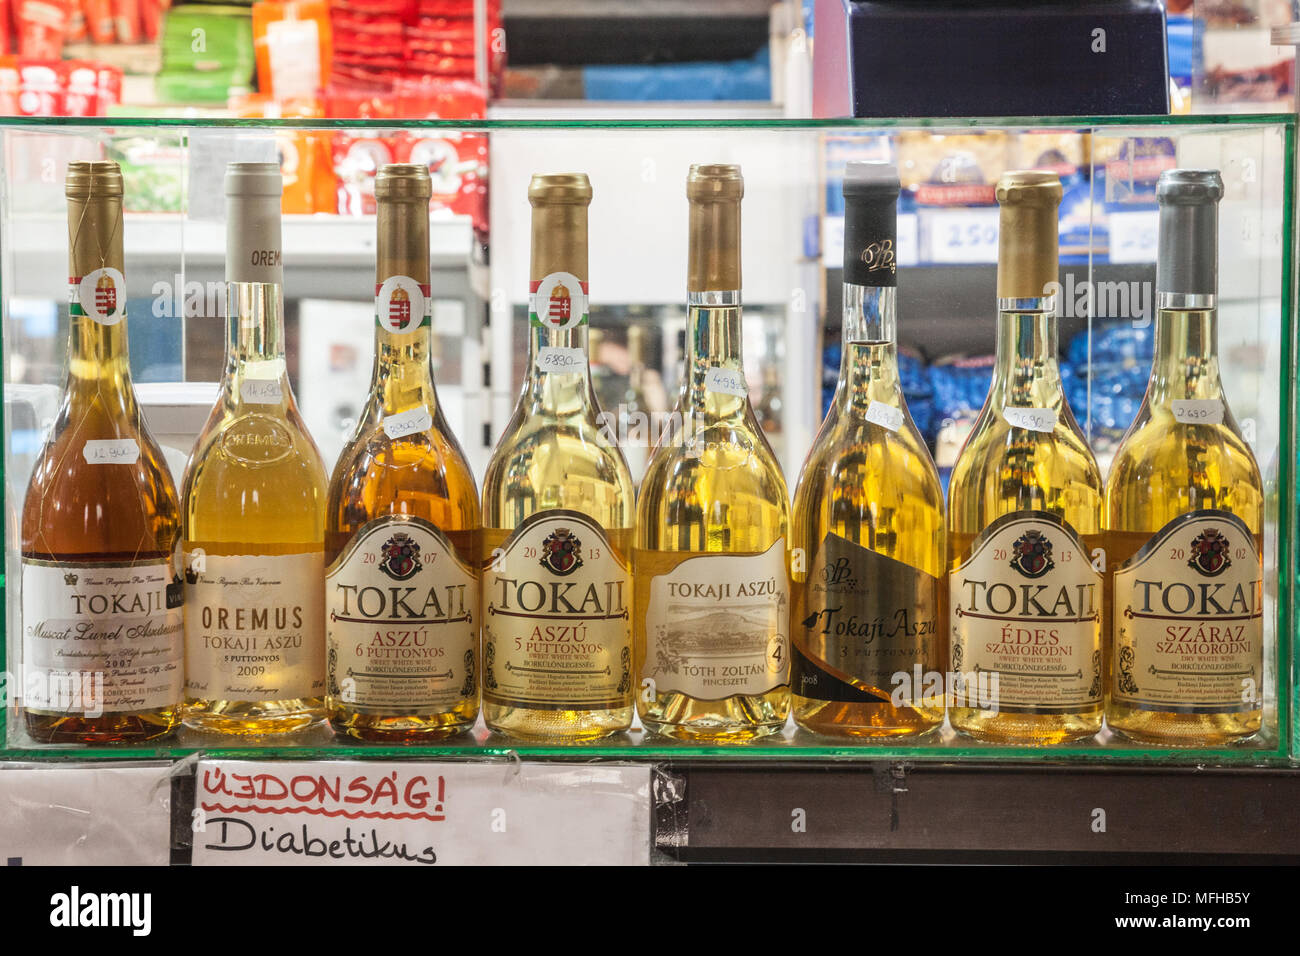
(832, 241)
(111, 451)
(557, 358)
(960, 235)
(410, 422)
(726, 380)
(886, 416)
(85, 815)
(1197, 411)
(907, 249)
(261, 391)
(331, 813)
(1133, 235)
(1033, 419)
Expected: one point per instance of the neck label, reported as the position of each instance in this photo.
(402, 305)
(413, 421)
(1197, 411)
(886, 416)
(1032, 419)
(729, 381)
(98, 295)
(558, 301)
(558, 358)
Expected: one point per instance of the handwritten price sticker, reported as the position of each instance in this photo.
(111, 451)
(410, 422)
(961, 235)
(886, 416)
(726, 380)
(1033, 419)
(558, 358)
(1197, 411)
(259, 391)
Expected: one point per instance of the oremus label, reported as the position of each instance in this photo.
(718, 625)
(255, 626)
(1026, 608)
(101, 638)
(98, 295)
(859, 619)
(403, 305)
(558, 301)
(402, 622)
(1188, 622)
(557, 627)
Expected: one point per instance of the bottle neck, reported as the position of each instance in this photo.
(869, 359)
(715, 385)
(99, 362)
(403, 372)
(1186, 361)
(558, 381)
(1026, 373)
(255, 364)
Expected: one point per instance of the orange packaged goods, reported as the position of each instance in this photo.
(9, 86)
(42, 25)
(151, 13)
(99, 19)
(293, 40)
(305, 161)
(126, 20)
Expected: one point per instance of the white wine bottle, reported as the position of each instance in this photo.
(1024, 513)
(1185, 512)
(868, 640)
(711, 575)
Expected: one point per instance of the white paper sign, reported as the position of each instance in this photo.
(410, 422)
(1133, 235)
(1197, 411)
(558, 358)
(111, 451)
(960, 235)
(334, 813)
(1034, 419)
(886, 416)
(726, 380)
(85, 815)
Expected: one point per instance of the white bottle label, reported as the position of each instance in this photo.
(728, 381)
(402, 625)
(557, 631)
(413, 421)
(1197, 411)
(1188, 622)
(255, 626)
(557, 358)
(1033, 419)
(886, 416)
(558, 301)
(718, 625)
(402, 305)
(1026, 608)
(111, 451)
(101, 638)
(99, 295)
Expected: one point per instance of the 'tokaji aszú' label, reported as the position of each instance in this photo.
(557, 621)
(1026, 605)
(403, 620)
(255, 626)
(1189, 625)
(859, 619)
(718, 625)
(101, 638)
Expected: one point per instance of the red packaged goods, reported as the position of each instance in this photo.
(40, 89)
(126, 20)
(6, 37)
(9, 86)
(357, 158)
(110, 87)
(76, 31)
(99, 19)
(80, 88)
(42, 25)
(439, 98)
(401, 9)
(151, 13)
(458, 167)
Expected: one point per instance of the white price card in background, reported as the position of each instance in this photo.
(332, 813)
(960, 235)
(1034, 419)
(1197, 411)
(413, 421)
(1133, 235)
(85, 815)
(559, 358)
(886, 416)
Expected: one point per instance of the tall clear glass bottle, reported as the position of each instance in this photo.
(712, 613)
(868, 637)
(1185, 512)
(1024, 513)
(102, 642)
(254, 493)
(402, 519)
(558, 505)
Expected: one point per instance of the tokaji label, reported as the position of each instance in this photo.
(1189, 626)
(101, 638)
(556, 621)
(254, 626)
(402, 623)
(403, 305)
(558, 301)
(859, 619)
(1026, 606)
(717, 625)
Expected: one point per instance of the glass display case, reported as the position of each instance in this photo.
(791, 242)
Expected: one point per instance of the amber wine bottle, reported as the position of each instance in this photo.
(1024, 513)
(254, 504)
(102, 632)
(403, 513)
(711, 565)
(1185, 512)
(557, 513)
(868, 642)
